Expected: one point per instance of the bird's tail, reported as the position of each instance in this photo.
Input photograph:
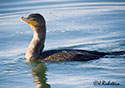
(116, 53)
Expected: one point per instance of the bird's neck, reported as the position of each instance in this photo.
(37, 44)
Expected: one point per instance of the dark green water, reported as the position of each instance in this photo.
(80, 24)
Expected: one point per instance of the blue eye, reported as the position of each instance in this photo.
(34, 19)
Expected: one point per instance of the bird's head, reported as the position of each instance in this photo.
(36, 21)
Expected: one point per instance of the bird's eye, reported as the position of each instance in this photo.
(33, 19)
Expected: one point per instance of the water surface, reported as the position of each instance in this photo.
(80, 24)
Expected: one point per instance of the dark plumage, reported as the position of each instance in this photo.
(70, 55)
(34, 52)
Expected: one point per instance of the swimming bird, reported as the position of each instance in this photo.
(35, 49)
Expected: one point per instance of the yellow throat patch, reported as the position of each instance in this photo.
(30, 21)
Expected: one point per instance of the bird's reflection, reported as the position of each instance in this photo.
(39, 74)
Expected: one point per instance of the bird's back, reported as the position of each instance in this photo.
(70, 55)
